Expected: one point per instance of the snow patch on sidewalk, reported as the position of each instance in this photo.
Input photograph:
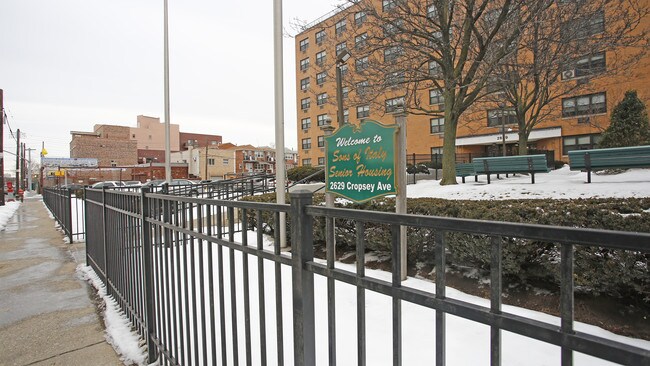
(118, 328)
(6, 213)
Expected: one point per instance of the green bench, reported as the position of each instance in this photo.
(530, 164)
(617, 157)
(465, 170)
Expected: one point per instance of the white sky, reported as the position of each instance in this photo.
(69, 64)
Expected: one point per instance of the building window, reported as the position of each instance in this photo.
(344, 70)
(392, 28)
(436, 97)
(361, 63)
(392, 53)
(387, 5)
(394, 103)
(321, 141)
(434, 69)
(362, 87)
(304, 44)
(346, 116)
(210, 161)
(340, 47)
(360, 40)
(394, 78)
(113, 163)
(304, 83)
(322, 120)
(320, 36)
(494, 85)
(500, 117)
(359, 17)
(306, 162)
(586, 26)
(321, 161)
(432, 12)
(587, 65)
(584, 105)
(225, 161)
(363, 111)
(321, 99)
(321, 77)
(306, 143)
(321, 57)
(305, 123)
(305, 103)
(437, 125)
(584, 142)
(346, 91)
(436, 151)
(340, 27)
(304, 64)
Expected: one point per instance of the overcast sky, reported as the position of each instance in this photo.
(69, 64)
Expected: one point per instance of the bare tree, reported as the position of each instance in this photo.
(434, 56)
(560, 52)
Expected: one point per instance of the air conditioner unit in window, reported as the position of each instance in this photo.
(568, 74)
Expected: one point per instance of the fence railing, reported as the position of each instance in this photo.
(201, 285)
(67, 209)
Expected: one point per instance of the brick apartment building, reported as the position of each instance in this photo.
(578, 119)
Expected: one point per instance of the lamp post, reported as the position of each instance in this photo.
(341, 58)
(400, 200)
(168, 168)
(503, 127)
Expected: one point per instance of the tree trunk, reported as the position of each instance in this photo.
(523, 143)
(449, 152)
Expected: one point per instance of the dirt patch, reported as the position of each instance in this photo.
(620, 316)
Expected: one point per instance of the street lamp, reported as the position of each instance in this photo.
(341, 58)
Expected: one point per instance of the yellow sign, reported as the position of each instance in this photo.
(59, 173)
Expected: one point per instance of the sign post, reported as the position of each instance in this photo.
(361, 161)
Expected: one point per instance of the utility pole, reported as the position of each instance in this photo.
(17, 159)
(2, 148)
(29, 168)
(23, 166)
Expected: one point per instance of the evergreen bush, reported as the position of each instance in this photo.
(597, 270)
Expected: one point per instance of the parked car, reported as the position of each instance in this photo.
(108, 184)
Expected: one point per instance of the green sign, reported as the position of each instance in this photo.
(361, 161)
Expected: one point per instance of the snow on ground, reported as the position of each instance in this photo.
(559, 184)
(6, 212)
(118, 327)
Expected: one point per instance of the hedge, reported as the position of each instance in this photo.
(598, 271)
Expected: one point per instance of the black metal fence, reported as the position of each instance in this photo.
(184, 272)
(67, 207)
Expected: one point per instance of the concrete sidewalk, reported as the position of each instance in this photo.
(47, 314)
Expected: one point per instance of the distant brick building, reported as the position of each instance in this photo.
(196, 140)
(110, 144)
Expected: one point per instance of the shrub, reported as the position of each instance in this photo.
(302, 172)
(597, 270)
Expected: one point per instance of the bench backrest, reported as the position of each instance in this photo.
(464, 169)
(617, 157)
(511, 164)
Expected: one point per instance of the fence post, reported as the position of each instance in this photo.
(68, 196)
(104, 240)
(148, 273)
(302, 240)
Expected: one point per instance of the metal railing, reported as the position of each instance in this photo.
(177, 268)
(67, 209)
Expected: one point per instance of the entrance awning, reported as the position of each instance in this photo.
(511, 137)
